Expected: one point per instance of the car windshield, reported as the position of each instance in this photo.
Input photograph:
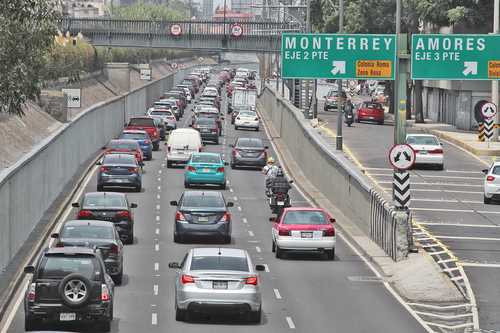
(118, 159)
(57, 267)
(205, 159)
(422, 140)
(205, 121)
(87, 231)
(219, 263)
(305, 217)
(203, 201)
(252, 143)
(134, 136)
(372, 106)
(104, 200)
(122, 145)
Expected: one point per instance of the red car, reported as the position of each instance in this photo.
(304, 229)
(146, 124)
(371, 111)
(126, 146)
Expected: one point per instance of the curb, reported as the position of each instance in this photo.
(464, 145)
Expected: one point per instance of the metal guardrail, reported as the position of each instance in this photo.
(383, 226)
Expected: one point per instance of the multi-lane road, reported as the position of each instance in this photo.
(447, 203)
(301, 293)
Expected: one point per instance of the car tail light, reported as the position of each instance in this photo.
(283, 232)
(60, 244)
(191, 168)
(155, 133)
(185, 279)
(104, 169)
(32, 292)
(436, 151)
(169, 148)
(147, 142)
(221, 169)
(252, 280)
(179, 216)
(105, 297)
(490, 178)
(113, 249)
(123, 214)
(226, 217)
(133, 170)
(84, 214)
(329, 232)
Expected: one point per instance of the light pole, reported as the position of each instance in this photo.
(494, 83)
(399, 85)
(339, 85)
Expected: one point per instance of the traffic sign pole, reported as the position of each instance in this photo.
(339, 139)
(494, 83)
(402, 157)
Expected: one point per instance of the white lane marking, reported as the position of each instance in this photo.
(435, 200)
(257, 248)
(155, 290)
(231, 190)
(431, 190)
(157, 231)
(266, 267)
(158, 207)
(159, 188)
(250, 233)
(451, 171)
(159, 179)
(157, 247)
(468, 238)
(426, 176)
(460, 225)
(488, 212)
(277, 293)
(159, 171)
(239, 208)
(481, 265)
(157, 266)
(444, 210)
(244, 220)
(157, 217)
(435, 184)
(163, 165)
(235, 198)
(290, 323)
(158, 196)
(154, 318)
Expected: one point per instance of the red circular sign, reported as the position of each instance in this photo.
(236, 30)
(175, 30)
(402, 156)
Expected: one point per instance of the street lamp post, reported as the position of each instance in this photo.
(399, 86)
(339, 140)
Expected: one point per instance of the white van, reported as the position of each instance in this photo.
(181, 144)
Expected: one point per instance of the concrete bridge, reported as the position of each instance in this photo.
(245, 36)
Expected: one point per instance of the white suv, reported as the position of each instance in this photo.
(492, 183)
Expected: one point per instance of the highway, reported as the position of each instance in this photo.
(447, 203)
(300, 293)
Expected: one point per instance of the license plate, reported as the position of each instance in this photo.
(371, 118)
(247, 123)
(423, 152)
(280, 203)
(206, 170)
(67, 316)
(180, 152)
(202, 219)
(219, 284)
(306, 234)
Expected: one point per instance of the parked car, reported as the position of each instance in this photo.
(202, 214)
(119, 170)
(126, 146)
(208, 128)
(69, 285)
(248, 152)
(146, 124)
(370, 111)
(304, 229)
(215, 281)
(95, 234)
(109, 206)
(428, 149)
(142, 138)
(492, 183)
(181, 143)
(205, 168)
(247, 119)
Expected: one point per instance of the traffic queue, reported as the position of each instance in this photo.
(74, 280)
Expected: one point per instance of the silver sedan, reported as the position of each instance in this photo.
(217, 281)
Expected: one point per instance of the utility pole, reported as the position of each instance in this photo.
(340, 90)
(399, 86)
(494, 83)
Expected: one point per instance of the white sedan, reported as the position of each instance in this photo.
(428, 149)
(492, 183)
(247, 119)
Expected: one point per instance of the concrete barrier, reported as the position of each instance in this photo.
(335, 176)
(29, 187)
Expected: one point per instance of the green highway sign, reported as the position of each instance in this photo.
(338, 56)
(455, 57)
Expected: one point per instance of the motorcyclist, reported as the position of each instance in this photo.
(270, 171)
(279, 184)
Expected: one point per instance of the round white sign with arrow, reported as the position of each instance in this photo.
(402, 157)
(489, 110)
(236, 30)
(175, 29)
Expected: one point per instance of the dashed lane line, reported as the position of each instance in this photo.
(155, 290)
(290, 323)
(154, 319)
(244, 220)
(250, 233)
(277, 293)
(158, 207)
(257, 248)
(157, 217)
(435, 184)
(479, 265)
(239, 208)
(156, 266)
(468, 238)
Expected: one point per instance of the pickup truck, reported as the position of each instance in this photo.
(146, 124)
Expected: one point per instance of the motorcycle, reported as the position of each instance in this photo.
(278, 202)
(348, 115)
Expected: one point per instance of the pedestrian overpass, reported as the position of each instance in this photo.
(244, 36)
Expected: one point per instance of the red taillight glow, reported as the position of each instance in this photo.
(105, 297)
(283, 232)
(252, 280)
(155, 133)
(191, 168)
(123, 214)
(436, 151)
(226, 217)
(133, 170)
(179, 216)
(329, 232)
(490, 178)
(32, 292)
(185, 279)
(84, 213)
(221, 169)
(104, 169)
(113, 249)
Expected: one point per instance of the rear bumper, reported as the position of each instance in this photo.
(197, 178)
(113, 266)
(370, 117)
(492, 191)
(225, 302)
(178, 158)
(209, 136)
(429, 159)
(247, 124)
(249, 161)
(50, 312)
(303, 244)
(218, 230)
(117, 181)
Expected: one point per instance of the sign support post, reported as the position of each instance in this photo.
(494, 83)
(340, 103)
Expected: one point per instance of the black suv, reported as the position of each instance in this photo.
(69, 285)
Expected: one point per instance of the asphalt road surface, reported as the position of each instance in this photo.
(301, 293)
(448, 203)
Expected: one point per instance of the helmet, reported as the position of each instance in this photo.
(270, 160)
(280, 173)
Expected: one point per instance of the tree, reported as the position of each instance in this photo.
(175, 10)
(27, 29)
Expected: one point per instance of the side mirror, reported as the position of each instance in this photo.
(485, 171)
(266, 147)
(332, 220)
(272, 219)
(230, 204)
(290, 181)
(133, 205)
(98, 163)
(174, 265)
(260, 268)
(440, 143)
(104, 147)
(173, 203)
(29, 269)
(75, 204)
(55, 235)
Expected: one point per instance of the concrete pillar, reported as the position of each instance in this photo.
(118, 73)
(55, 103)
(403, 234)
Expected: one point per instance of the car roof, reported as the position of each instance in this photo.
(88, 222)
(216, 251)
(140, 117)
(206, 154)
(183, 130)
(249, 139)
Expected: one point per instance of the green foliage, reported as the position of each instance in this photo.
(175, 10)
(27, 28)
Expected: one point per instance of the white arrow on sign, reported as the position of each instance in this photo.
(338, 67)
(470, 67)
(402, 157)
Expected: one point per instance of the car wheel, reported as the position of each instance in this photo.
(273, 247)
(177, 238)
(440, 167)
(100, 188)
(486, 200)
(255, 316)
(236, 128)
(31, 324)
(72, 287)
(217, 141)
(330, 254)
(279, 252)
(187, 185)
(257, 129)
(169, 164)
(118, 278)
(227, 239)
(105, 326)
(138, 188)
(180, 315)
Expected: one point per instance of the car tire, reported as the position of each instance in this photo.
(138, 188)
(440, 167)
(227, 239)
(330, 254)
(217, 141)
(169, 164)
(187, 185)
(87, 284)
(105, 326)
(130, 239)
(257, 129)
(100, 188)
(180, 315)
(31, 324)
(177, 238)
(273, 247)
(255, 316)
(279, 252)
(486, 200)
(118, 278)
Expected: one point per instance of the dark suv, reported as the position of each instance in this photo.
(69, 285)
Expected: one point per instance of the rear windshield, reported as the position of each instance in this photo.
(249, 143)
(161, 113)
(118, 159)
(372, 106)
(207, 114)
(203, 201)
(305, 217)
(422, 140)
(141, 122)
(57, 267)
(134, 136)
(247, 114)
(172, 95)
(104, 200)
(219, 263)
(205, 159)
(123, 145)
(205, 121)
(87, 231)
